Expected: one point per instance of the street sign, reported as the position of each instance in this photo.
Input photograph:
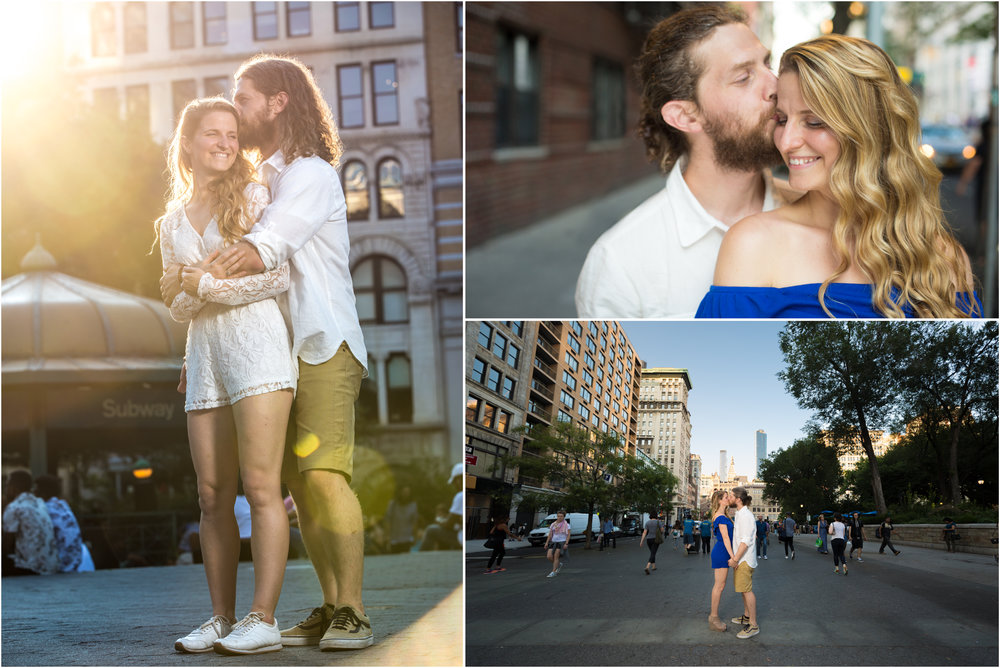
(470, 460)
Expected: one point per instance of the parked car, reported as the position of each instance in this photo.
(948, 146)
(630, 527)
(577, 528)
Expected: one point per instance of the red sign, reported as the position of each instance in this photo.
(470, 460)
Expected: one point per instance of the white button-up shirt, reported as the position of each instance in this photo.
(658, 261)
(306, 225)
(745, 531)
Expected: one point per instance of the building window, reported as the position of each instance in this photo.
(485, 333)
(479, 370)
(390, 189)
(347, 16)
(517, 106)
(569, 380)
(508, 388)
(513, 355)
(499, 345)
(299, 19)
(493, 380)
(182, 92)
(381, 15)
(181, 25)
(400, 389)
(489, 411)
(137, 105)
(218, 87)
(503, 421)
(214, 16)
(380, 291)
(517, 327)
(607, 109)
(102, 30)
(265, 20)
(135, 27)
(459, 27)
(472, 408)
(356, 190)
(385, 95)
(350, 96)
(573, 344)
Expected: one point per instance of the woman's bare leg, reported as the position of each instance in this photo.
(214, 454)
(261, 421)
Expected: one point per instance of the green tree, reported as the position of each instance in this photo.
(575, 461)
(844, 372)
(803, 476)
(951, 374)
(642, 487)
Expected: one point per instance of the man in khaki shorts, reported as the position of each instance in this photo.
(284, 116)
(745, 561)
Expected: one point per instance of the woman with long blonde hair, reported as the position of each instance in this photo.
(239, 373)
(722, 527)
(868, 237)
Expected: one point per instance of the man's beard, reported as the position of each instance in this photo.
(742, 150)
(255, 132)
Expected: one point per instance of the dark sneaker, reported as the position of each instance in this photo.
(348, 630)
(311, 629)
(251, 635)
(203, 638)
(742, 620)
(748, 631)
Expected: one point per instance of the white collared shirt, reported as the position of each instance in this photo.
(745, 531)
(658, 261)
(306, 225)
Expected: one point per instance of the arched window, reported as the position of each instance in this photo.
(380, 290)
(390, 189)
(356, 190)
(400, 389)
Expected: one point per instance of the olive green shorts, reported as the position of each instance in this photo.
(321, 426)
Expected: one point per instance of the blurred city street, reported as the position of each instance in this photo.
(924, 607)
(131, 617)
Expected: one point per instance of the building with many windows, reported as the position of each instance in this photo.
(665, 426)
(391, 73)
(851, 454)
(759, 503)
(540, 373)
(760, 451)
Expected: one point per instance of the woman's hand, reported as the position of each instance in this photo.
(190, 277)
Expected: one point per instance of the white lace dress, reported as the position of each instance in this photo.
(237, 343)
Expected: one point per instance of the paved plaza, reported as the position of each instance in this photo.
(131, 617)
(924, 607)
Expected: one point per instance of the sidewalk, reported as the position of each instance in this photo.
(532, 272)
(131, 617)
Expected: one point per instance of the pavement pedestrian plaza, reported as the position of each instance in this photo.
(924, 607)
(131, 617)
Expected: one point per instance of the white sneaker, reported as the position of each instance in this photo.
(551, 575)
(765, 556)
(202, 638)
(861, 560)
(251, 635)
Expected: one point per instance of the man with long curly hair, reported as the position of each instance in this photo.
(706, 117)
(286, 120)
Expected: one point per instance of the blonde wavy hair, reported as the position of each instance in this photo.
(231, 206)
(716, 501)
(890, 220)
(306, 125)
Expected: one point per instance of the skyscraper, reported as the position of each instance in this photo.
(722, 465)
(761, 450)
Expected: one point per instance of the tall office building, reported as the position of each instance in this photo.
(722, 465)
(761, 451)
(665, 425)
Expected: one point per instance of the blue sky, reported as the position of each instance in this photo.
(735, 390)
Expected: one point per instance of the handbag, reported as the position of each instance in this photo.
(819, 542)
(491, 542)
(658, 538)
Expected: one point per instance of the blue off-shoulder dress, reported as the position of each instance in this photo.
(845, 300)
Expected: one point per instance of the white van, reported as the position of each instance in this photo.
(577, 528)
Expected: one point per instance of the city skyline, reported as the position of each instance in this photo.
(735, 390)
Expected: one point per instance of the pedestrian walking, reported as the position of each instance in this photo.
(688, 534)
(744, 560)
(886, 532)
(857, 536)
(789, 526)
(608, 534)
(498, 534)
(654, 531)
(676, 532)
(762, 530)
(706, 535)
(822, 526)
(950, 534)
(722, 527)
(838, 542)
(558, 538)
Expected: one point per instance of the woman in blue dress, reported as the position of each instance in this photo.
(867, 239)
(722, 527)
